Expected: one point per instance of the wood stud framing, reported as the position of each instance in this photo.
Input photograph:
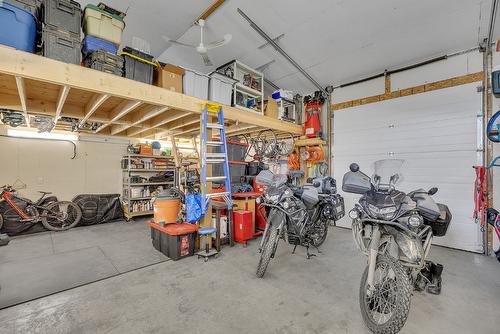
(61, 99)
(22, 96)
(452, 82)
(96, 101)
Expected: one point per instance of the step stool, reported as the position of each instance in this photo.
(206, 233)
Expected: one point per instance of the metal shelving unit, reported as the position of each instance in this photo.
(243, 90)
(143, 204)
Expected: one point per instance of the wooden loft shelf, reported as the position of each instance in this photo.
(37, 85)
(309, 142)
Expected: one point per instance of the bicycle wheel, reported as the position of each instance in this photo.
(268, 143)
(287, 145)
(61, 216)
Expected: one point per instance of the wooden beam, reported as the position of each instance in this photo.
(158, 121)
(452, 82)
(61, 99)
(119, 111)
(21, 89)
(239, 128)
(139, 118)
(94, 104)
(194, 119)
(42, 69)
(209, 11)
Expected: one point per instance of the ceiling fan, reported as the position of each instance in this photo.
(201, 48)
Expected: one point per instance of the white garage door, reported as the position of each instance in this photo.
(435, 133)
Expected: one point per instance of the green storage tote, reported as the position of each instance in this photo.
(101, 24)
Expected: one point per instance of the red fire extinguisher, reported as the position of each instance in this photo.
(312, 125)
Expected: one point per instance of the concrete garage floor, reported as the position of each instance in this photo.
(39, 264)
(296, 296)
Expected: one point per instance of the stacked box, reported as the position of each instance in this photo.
(105, 62)
(62, 30)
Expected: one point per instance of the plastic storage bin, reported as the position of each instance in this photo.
(101, 24)
(174, 240)
(104, 57)
(103, 67)
(138, 65)
(195, 84)
(63, 15)
(91, 44)
(32, 6)
(61, 46)
(17, 28)
(220, 88)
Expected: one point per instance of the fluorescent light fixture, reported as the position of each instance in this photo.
(44, 135)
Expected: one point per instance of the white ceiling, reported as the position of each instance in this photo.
(335, 41)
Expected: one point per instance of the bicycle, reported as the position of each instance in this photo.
(267, 145)
(55, 216)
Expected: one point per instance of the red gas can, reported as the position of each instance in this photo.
(242, 226)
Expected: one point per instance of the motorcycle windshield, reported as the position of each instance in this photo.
(387, 173)
(269, 179)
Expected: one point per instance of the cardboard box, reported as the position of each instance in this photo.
(169, 76)
(271, 108)
(146, 149)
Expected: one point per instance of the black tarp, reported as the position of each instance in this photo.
(12, 224)
(98, 209)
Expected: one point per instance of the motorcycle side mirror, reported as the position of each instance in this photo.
(432, 191)
(354, 167)
(265, 167)
(316, 184)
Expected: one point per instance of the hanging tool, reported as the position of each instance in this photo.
(214, 158)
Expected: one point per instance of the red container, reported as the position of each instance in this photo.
(174, 240)
(243, 227)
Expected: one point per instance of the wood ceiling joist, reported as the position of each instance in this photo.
(139, 118)
(119, 111)
(90, 108)
(158, 121)
(181, 123)
(210, 10)
(63, 94)
(21, 89)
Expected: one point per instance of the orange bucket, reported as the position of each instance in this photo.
(166, 210)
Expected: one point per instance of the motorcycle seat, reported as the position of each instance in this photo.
(45, 192)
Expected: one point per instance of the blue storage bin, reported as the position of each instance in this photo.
(17, 28)
(91, 44)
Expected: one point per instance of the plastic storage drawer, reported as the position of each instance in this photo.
(138, 65)
(195, 84)
(32, 6)
(101, 24)
(63, 15)
(61, 46)
(91, 44)
(17, 28)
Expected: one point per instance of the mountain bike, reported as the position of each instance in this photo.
(55, 216)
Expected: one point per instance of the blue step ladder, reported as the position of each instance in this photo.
(209, 158)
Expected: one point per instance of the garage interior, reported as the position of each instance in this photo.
(218, 166)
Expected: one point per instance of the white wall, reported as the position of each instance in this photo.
(47, 165)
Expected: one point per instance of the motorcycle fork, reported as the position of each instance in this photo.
(372, 256)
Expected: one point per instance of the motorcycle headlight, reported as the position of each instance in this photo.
(415, 221)
(354, 214)
(386, 213)
(411, 248)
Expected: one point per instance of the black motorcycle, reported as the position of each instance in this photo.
(395, 231)
(299, 215)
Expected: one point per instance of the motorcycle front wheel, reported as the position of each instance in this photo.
(320, 234)
(385, 309)
(61, 216)
(268, 248)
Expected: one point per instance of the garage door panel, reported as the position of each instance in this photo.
(435, 133)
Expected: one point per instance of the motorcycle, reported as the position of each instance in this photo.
(395, 230)
(299, 215)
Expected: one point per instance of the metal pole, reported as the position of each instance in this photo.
(281, 51)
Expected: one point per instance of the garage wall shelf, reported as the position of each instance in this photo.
(137, 197)
(35, 85)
